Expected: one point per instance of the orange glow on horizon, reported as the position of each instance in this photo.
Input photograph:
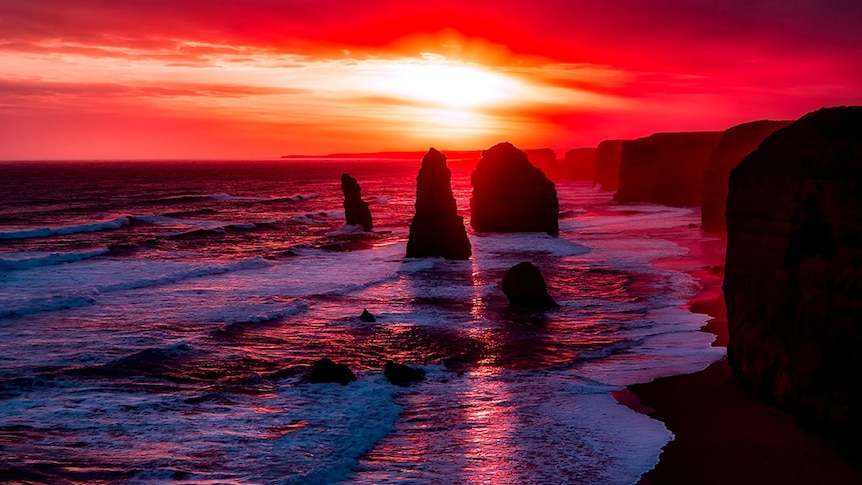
(261, 79)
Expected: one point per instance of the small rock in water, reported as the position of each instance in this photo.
(402, 375)
(367, 316)
(525, 287)
(325, 370)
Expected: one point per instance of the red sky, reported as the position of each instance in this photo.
(260, 78)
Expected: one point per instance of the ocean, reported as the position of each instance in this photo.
(156, 319)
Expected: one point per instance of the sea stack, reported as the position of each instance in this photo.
(355, 209)
(665, 168)
(735, 144)
(511, 195)
(793, 277)
(437, 229)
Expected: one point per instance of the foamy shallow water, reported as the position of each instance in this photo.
(179, 359)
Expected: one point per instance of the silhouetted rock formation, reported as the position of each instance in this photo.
(437, 229)
(666, 168)
(607, 164)
(545, 159)
(326, 371)
(579, 164)
(355, 209)
(793, 278)
(402, 375)
(366, 316)
(511, 195)
(524, 285)
(735, 144)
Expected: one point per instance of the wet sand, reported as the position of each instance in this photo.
(724, 435)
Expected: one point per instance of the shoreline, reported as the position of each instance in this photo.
(723, 433)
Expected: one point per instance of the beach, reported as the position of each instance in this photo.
(723, 433)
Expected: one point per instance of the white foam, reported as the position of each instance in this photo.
(59, 287)
(304, 434)
(188, 225)
(512, 246)
(34, 259)
(515, 427)
(263, 310)
(103, 225)
(236, 197)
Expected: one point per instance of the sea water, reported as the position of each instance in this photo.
(156, 319)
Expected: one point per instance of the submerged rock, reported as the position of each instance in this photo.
(326, 371)
(402, 375)
(511, 195)
(355, 209)
(524, 285)
(793, 278)
(366, 316)
(735, 144)
(665, 168)
(436, 229)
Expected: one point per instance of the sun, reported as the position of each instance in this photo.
(438, 81)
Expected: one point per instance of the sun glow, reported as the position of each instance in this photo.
(435, 80)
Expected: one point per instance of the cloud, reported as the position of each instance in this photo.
(298, 72)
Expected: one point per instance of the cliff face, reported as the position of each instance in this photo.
(436, 229)
(579, 164)
(735, 144)
(511, 195)
(545, 159)
(793, 277)
(355, 209)
(665, 168)
(606, 164)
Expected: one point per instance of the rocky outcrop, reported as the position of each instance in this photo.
(367, 316)
(355, 209)
(606, 164)
(735, 144)
(437, 229)
(525, 287)
(511, 195)
(793, 277)
(665, 168)
(326, 371)
(402, 375)
(579, 164)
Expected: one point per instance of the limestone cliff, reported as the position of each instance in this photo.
(606, 164)
(579, 164)
(511, 195)
(793, 277)
(735, 144)
(436, 229)
(665, 168)
(545, 159)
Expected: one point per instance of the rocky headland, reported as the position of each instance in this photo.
(665, 168)
(735, 144)
(793, 281)
(606, 164)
